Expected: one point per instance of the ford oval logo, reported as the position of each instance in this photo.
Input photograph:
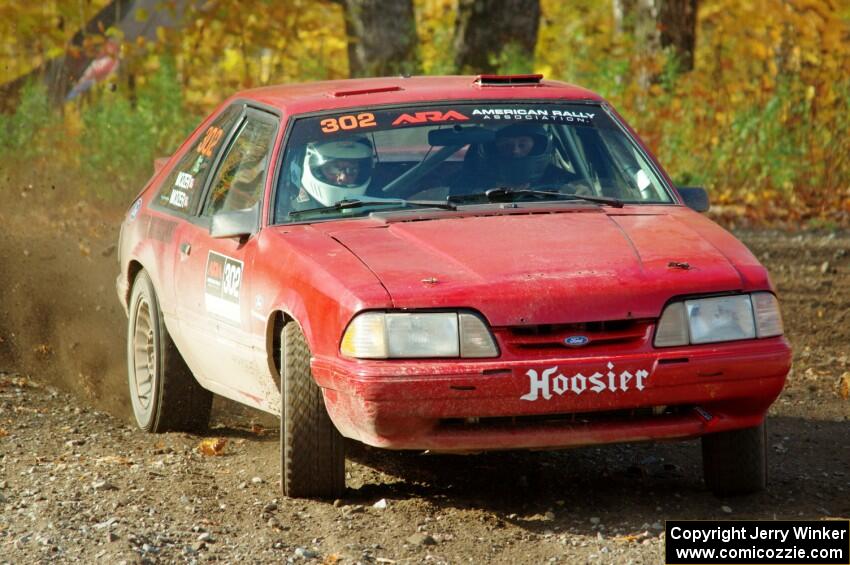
(576, 340)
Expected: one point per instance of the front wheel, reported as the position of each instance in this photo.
(311, 449)
(164, 393)
(735, 462)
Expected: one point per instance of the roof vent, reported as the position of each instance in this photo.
(376, 90)
(508, 80)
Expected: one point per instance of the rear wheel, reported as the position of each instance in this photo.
(164, 393)
(735, 462)
(312, 450)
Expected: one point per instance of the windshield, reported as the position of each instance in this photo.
(457, 154)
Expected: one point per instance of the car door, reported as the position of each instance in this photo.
(174, 205)
(214, 275)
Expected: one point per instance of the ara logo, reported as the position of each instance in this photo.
(576, 340)
(431, 116)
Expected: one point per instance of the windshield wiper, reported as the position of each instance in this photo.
(507, 194)
(357, 203)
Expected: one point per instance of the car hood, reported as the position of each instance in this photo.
(578, 266)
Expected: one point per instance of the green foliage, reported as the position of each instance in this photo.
(116, 145)
(442, 62)
(160, 101)
(514, 60)
(23, 134)
(119, 141)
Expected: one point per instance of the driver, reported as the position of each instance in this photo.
(334, 171)
(521, 156)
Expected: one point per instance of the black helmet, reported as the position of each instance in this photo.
(521, 153)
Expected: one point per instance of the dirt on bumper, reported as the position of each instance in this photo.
(554, 403)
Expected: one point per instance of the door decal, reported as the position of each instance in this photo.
(223, 286)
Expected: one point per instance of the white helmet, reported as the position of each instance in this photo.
(336, 170)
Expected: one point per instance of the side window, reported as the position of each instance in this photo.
(238, 183)
(183, 186)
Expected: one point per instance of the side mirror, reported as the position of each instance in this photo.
(238, 223)
(695, 197)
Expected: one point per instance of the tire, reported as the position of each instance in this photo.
(735, 462)
(312, 451)
(164, 394)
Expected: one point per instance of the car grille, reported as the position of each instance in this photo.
(554, 336)
(580, 418)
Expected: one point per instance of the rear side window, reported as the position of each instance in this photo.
(182, 189)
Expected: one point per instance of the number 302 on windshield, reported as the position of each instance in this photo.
(348, 122)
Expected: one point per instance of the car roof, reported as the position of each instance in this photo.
(353, 93)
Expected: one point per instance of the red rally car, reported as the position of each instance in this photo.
(454, 264)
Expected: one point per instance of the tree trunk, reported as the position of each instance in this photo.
(659, 24)
(677, 24)
(638, 18)
(487, 31)
(624, 16)
(382, 37)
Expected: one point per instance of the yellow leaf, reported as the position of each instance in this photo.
(810, 93)
(760, 51)
(212, 446)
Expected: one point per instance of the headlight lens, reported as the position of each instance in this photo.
(768, 316)
(673, 326)
(366, 337)
(383, 335)
(721, 318)
(422, 335)
(725, 318)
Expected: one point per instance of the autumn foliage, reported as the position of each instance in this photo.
(762, 120)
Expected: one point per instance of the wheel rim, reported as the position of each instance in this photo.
(144, 362)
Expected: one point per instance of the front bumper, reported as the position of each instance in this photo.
(568, 401)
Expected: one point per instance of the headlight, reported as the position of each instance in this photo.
(768, 317)
(673, 326)
(725, 318)
(382, 335)
(721, 318)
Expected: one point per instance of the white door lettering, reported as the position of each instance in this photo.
(579, 383)
(560, 385)
(544, 384)
(640, 376)
(611, 384)
(596, 381)
(625, 377)
(539, 384)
